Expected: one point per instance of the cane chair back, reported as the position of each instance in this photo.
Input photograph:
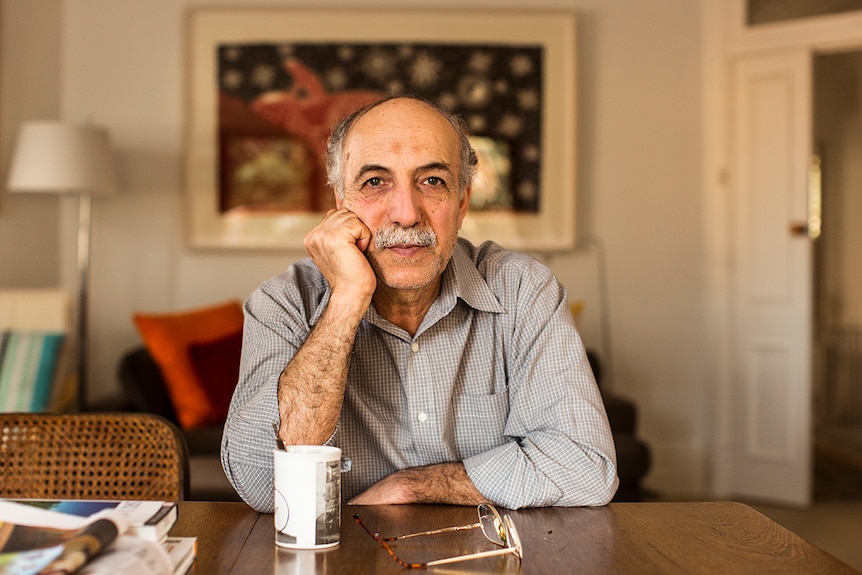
(111, 456)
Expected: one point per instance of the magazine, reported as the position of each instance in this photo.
(130, 556)
(146, 519)
(36, 541)
(134, 556)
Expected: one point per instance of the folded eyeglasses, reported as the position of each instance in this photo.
(498, 529)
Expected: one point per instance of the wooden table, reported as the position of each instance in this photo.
(715, 537)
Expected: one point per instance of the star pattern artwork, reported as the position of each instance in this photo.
(278, 101)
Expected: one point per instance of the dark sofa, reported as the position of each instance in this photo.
(633, 455)
(144, 390)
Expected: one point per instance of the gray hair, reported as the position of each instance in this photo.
(335, 145)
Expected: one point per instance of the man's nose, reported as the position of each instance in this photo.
(405, 205)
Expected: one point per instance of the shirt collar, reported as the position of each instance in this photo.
(463, 280)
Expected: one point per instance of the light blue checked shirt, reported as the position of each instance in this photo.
(496, 377)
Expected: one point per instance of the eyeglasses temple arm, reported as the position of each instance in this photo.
(434, 532)
(481, 555)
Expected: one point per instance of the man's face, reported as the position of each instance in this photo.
(401, 165)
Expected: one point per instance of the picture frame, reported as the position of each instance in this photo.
(222, 212)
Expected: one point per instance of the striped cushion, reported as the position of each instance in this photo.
(28, 363)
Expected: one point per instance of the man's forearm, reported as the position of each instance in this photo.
(445, 483)
(311, 387)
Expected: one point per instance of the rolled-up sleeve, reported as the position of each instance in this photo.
(275, 328)
(246, 452)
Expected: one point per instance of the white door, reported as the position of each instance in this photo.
(772, 298)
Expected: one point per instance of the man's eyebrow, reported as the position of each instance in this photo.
(368, 168)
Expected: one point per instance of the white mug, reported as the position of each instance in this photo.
(307, 484)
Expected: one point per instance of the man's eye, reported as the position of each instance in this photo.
(374, 182)
(435, 181)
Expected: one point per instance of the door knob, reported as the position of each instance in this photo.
(799, 229)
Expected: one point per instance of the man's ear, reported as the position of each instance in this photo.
(463, 205)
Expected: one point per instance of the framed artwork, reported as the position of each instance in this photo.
(266, 85)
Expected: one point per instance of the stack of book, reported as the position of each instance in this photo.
(91, 538)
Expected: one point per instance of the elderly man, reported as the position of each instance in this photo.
(446, 372)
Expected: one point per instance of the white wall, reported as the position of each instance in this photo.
(639, 169)
(29, 64)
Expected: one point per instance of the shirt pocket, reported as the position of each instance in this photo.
(479, 422)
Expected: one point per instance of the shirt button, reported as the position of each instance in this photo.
(423, 417)
(415, 347)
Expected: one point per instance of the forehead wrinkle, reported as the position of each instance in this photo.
(445, 166)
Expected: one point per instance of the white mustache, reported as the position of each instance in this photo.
(398, 236)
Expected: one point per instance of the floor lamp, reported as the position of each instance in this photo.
(59, 158)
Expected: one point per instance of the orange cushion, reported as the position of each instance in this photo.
(169, 338)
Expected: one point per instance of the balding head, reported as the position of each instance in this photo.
(335, 145)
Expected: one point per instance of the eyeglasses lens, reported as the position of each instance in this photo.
(493, 527)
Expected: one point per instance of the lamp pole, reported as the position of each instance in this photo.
(85, 208)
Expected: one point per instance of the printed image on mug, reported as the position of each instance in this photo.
(307, 485)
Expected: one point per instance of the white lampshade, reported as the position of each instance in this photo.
(53, 157)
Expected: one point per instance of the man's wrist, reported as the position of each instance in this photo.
(446, 483)
(346, 305)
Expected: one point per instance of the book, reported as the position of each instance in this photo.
(146, 519)
(182, 552)
(36, 541)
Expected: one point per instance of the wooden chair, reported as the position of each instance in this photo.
(92, 456)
